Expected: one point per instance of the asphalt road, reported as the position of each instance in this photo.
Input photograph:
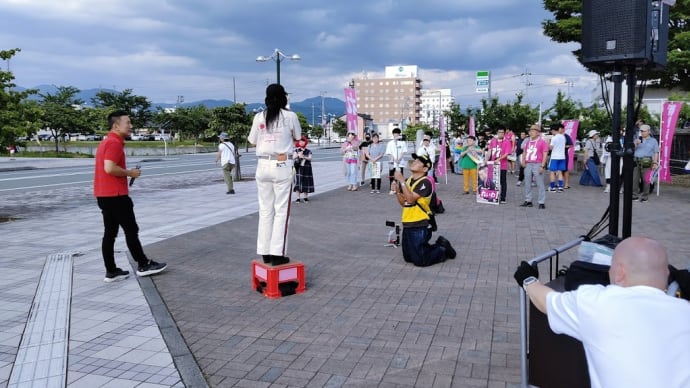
(42, 179)
(26, 193)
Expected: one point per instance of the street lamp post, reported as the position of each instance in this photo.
(278, 57)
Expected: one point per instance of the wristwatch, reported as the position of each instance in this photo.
(528, 281)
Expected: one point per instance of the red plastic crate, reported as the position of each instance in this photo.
(267, 278)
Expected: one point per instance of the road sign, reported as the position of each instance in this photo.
(484, 74)
(483, 81)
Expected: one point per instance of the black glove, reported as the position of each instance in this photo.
(524, 271)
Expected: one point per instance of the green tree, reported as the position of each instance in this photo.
(63, 113)
(566, 27)
(303, 123)
(594, 117)
(316, 131)
(410, 131)
(139, 107)
(18, 116)
(339, 127)
(457, 120)
(563, 109)
(519, 116)
(190, 122)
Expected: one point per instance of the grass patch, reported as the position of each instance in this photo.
(52, 154)
(131, 144)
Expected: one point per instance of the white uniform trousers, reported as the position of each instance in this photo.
(274, 185)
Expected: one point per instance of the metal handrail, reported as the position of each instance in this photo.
(549, 255)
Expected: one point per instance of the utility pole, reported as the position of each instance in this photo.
(526, 74)
(323, 115)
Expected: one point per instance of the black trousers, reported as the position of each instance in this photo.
(521, 174)
(119, 212)
(504, 184)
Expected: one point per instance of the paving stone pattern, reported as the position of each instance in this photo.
(368, 318)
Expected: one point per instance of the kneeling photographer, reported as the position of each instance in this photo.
(414, 195)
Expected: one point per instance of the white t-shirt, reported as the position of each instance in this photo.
(632, 336)
(278, 139)
(558, 147)
(227, 153)
(397, 150)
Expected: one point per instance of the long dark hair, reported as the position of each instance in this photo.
(276, 99)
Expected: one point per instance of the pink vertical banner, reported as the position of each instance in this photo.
(351, 110)
(669, 119)
(441, 165)
(472, 126)
(571, 130)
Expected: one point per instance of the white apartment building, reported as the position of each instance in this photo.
(433, 103)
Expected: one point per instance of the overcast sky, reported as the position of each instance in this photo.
(207, 48)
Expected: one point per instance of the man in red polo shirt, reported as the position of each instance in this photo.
(112, 194)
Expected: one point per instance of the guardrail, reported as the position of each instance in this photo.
(549, 255)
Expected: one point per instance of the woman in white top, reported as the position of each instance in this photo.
(274, 132)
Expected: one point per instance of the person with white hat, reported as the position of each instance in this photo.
(226, 156)
(590, 176)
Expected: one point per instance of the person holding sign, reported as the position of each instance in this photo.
(498, 150)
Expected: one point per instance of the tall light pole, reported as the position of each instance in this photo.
(278, 57)
(323, 114)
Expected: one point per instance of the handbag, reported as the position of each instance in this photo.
(595, 156)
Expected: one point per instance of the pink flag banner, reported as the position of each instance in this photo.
(571, 130)
(472, 126)
(669, 119)
(441, 168)
(351, 110)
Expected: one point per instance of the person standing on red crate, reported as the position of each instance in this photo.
(634, 335)
(273, 132)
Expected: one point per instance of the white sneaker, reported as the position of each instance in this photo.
(518, 184)
(607, 189)
(391, 192)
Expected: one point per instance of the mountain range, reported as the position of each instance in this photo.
(310, 108)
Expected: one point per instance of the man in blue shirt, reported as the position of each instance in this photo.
(646, 157)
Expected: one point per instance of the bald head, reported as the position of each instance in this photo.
(639, 261)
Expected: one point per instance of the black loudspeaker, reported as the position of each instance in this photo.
(628, 32)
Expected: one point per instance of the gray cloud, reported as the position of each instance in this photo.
(163, 49)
